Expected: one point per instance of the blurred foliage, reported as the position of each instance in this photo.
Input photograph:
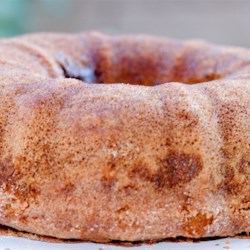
(12, 16)
(18, 16)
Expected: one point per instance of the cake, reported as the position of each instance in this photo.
(123, 138)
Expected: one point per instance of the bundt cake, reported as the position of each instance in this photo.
(163, 153)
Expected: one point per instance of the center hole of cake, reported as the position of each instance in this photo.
(85, 74)
(147, 76)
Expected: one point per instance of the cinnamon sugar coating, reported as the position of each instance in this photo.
(161, 151)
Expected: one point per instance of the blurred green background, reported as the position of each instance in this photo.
(220, 21)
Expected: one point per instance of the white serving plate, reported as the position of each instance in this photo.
(16, 243)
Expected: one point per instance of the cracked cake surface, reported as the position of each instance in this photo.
(127, 138)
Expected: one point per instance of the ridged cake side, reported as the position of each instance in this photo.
(125, 162)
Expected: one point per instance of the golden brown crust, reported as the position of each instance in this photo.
(121, 161)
